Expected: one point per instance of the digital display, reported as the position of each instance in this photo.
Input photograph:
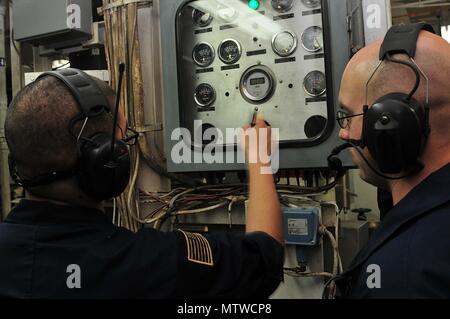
(257, 81)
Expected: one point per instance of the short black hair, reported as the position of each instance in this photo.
(37, 127)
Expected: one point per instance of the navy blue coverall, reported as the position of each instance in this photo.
(51, 251)
(408, 256)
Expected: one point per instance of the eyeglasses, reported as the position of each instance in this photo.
(344, 118)
(130, 137)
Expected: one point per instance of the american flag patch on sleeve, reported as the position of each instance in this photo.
(198, 249)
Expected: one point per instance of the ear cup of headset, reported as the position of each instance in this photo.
(393, 131)
(100, 174)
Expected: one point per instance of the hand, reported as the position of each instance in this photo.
(257, 141)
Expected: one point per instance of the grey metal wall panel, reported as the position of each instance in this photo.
(36, 20)
(377, 18)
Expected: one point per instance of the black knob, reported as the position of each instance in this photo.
(362, 213)
(385, 119)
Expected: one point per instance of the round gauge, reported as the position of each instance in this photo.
(230, 51)
(201, 18)
(282, 5)
(311, 3)
(204, 95)
(203, 54)
(315, 83)
(284, 43)
(312, 39)
(315, 125)
(227, 14)
(257, 84)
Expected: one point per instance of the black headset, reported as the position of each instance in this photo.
(103, 166)
(396, 126)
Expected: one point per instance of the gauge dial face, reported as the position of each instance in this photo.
(314, 83)
(227, 14)
(230, 51)
(312, 39)
(203, 54)
(315, 125)
(282, 5)
(204, 95)
(201, 18)
(284, 43)
(311, 3)
(257, 84)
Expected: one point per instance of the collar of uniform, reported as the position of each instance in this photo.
(430, 193)
(41, 213)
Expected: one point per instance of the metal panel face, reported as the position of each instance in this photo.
(222, 60)
(232, 59)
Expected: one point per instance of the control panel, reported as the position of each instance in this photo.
(234, 58)
(224, 59)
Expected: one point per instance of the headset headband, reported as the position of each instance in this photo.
(403, 39)
(90, 98)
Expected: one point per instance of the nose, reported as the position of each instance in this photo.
(344, 134)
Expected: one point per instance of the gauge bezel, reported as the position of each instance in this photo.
(202, 25)
(312, 6)
(303, 43)
(309, 93)
(282, 10)
(231, 19)
(239, 49)
(200, 64)
(212, 100)
(244, 78)
(293, 49)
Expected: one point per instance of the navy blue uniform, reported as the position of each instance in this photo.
(50, 251)
(408, 256)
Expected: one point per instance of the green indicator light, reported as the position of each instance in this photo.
(253, 4)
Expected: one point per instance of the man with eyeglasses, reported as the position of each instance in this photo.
(59, 243)
(408, 256)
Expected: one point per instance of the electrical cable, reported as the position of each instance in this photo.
(337, 266)
(114, 210)
(200, 210)
(294, 272)
(326, 285)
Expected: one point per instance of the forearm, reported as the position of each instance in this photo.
(264, 212)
